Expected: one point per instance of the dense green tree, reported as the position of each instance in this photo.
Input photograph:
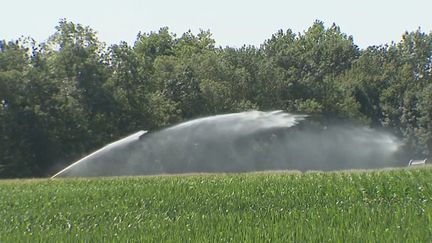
(404, 98)
(65, 97)
(306, 67)
(75, 58)
(15, 115)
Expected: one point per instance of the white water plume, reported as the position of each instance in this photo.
(246, 141)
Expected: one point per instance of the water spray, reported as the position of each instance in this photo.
(241, 142)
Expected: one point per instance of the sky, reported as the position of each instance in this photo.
(232, 22)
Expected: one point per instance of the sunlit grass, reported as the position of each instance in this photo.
(349, 206)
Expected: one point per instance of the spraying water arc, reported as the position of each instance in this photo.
(240, 142)
(105, 153)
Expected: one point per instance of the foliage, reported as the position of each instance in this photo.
(71, 94)
(294, 207)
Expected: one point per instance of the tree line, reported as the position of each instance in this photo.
(72, 94)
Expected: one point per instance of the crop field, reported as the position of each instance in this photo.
(356, 206)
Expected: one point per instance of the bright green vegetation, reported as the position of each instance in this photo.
(393, 205)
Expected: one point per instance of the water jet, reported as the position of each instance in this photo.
(240, 142)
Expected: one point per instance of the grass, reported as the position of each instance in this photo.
(365, 206)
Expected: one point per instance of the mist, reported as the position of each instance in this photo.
(242, 142)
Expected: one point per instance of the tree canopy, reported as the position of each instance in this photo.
(71, 94)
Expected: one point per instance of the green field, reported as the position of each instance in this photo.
(388, 205)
